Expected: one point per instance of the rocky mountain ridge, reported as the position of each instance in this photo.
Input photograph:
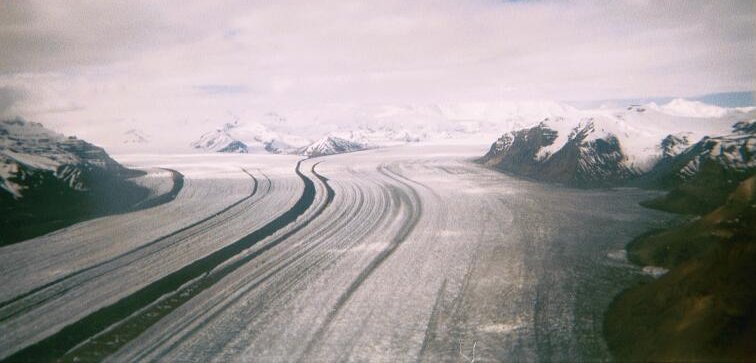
(40, 168)
(330, 145)
(28, 150)
(615, 150)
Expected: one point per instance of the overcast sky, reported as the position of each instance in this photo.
(104, 63)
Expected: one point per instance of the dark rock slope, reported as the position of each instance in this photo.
(702, 175)
(580, 162)
(331, 145)
(704, 308)
(48, 181)
(587, 158)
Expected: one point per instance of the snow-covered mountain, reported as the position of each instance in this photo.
(134, 136)
(581, 159)
(704, 173)
(732, 152)
(31, 155)
(330, 145)
(638, 128)
(383, 125)
(606, 147)
(248, 138)
(686, 108)
(49, 181)
(380, 136)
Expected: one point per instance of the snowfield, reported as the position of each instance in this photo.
(408, 253)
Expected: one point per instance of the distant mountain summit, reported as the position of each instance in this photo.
(331, 145)
(685, 108)
(236, 137)
(220, 140)
(379, 136)
(135, 136)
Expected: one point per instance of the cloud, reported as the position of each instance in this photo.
(8, 98)
(158, 61)
(40, 36)
(221, 89)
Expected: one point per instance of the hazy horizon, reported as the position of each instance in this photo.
(85, 65)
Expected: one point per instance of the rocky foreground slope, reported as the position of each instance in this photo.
(48, 180)
(704, 308)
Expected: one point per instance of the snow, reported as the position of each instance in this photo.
(654, 271)
(686, 108)
(732, 151)
(381, 136)
(30, 145)
(330, 145)
(639, 128)
(382, 125)
(405, 238)
(8, 170)
(618, 255)
(676, 144)
(256, 138)
(639, 133)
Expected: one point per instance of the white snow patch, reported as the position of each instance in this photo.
(639, 133)
(654, 271)
(256, 137)
(330, 145)
(685, 108)
(618, 255)
(503, 328)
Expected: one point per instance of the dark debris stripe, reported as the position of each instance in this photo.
(405, 198)
(77, 339)
(50, 290)
(178, 184)
(330, 195)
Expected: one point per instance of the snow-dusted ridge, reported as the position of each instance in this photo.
(638, 128)
(330, 145)
(607, 147)
(28, 148)
(732, 152)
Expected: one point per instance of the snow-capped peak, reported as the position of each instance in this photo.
(330, 145)
(135, 136)
(673, 145)
(686, 108)
(248, 137)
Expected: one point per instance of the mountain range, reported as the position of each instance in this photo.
(389, 125)
(636, 146)
(248, 138)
